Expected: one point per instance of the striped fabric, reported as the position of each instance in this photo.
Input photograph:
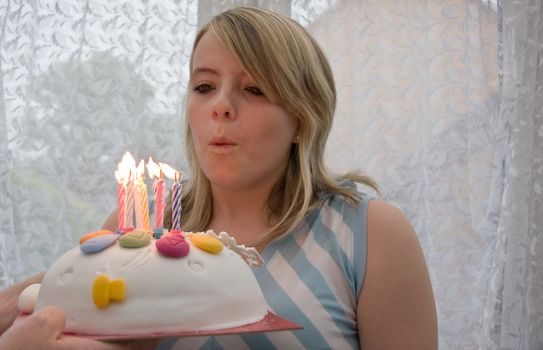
(312, 277)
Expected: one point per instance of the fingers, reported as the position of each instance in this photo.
(9, 299)
(48, 322)
(38, 331)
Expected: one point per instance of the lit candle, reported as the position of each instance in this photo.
(177, 189)
(120, 175)
(158, 189)
(129, 166)
(142, 202)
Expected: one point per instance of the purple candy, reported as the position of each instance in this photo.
(173, 246)
(98, 243)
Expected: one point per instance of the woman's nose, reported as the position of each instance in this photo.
(224, 105)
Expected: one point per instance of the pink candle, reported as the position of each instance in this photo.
(121, 194)
(120, 206)
(158, 187)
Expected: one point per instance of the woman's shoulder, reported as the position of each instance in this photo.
(391, 235)
(387, 219)
(397, 285)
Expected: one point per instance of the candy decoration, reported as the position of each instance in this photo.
(90, 235)
(206, 243)
(135, 239)
(158, 232)
(173, 246)
(98, 243)
(105, 290)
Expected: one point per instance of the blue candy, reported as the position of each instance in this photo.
(98, 243)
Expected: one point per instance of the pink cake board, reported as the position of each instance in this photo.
(270, 323)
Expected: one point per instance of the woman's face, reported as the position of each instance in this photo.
(242, 140)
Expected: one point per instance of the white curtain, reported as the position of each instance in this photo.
(440, 101)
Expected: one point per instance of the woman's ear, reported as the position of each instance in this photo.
(296, 137)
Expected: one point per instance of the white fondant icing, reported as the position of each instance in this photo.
(201, 291)
(249, 254)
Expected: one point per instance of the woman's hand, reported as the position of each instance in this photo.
(43, 330)
(9, 301)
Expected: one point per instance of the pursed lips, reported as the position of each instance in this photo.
(221, 145)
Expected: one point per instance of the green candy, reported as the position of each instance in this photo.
(135, 239)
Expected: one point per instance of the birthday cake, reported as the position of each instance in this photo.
(133, 283)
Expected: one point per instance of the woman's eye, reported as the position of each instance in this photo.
(203, 88)
(255, 91)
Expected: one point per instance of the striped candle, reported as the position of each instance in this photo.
(142, 200)
(121, 193)
(127, 170)
(145, 206)
(176, 204)
(129, 205)
(177, 189)
(156, 173)
(159, 190)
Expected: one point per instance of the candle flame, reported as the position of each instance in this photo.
(119, 176)
(129, 161)
(153, 169)
(170, 172)
(122, 173)
(140, 171)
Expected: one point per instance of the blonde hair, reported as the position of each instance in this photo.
(291, 69)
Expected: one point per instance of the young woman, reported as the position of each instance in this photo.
(349, 269)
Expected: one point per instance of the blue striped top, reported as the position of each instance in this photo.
(313, 277)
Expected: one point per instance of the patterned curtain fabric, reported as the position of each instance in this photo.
(440, 101)
(82, 82)
(513, 314)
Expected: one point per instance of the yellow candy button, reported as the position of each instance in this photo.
(105, 290)
(207, 243)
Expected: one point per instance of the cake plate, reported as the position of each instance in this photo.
(270, 323)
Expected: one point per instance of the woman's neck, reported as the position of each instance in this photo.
(242, 214)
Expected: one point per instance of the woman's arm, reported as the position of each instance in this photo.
(9, 301)
(396, 308)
